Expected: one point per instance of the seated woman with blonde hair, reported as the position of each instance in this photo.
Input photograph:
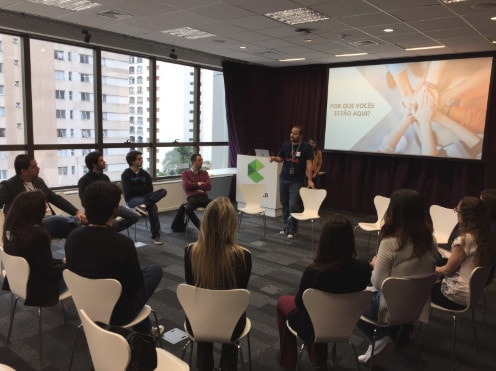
(216, 262)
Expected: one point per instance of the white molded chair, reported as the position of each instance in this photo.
(405, 299)
(333, 316)
(98, 298)
(478, 279)
(110, 351)
(443, 222)
(213, 315)
(381, 204)
(17, 270)
(312, 200)
(253, 194)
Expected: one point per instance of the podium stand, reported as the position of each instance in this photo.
(256, 169)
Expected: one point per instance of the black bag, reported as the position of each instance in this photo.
(143, 348)
(179, 223)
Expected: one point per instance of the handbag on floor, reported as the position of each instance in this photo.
(179, 223)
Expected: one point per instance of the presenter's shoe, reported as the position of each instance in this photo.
(383, 347)
(157, 240)
(141, 209)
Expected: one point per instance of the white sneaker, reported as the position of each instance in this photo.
(157, 240)
(291, 236)
(383, 347)
(366, 356)
(282, 233)
(141, 209)
(157, 332)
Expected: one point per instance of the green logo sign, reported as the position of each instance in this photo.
(253, 168)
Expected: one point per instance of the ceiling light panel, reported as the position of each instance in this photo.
(74, 5)
(188, 33)
(297, 16)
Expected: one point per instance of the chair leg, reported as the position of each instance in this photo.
(41, 340)
(12, 312)
(355, 354)
(454, 339)
(474, 325)
(265, 226)
(484, 308)
(334, 354)
(78, 333)
(63, 312)
(240, 217)
(302, 347)
(373, 345)
(311, 221)
(249, 351)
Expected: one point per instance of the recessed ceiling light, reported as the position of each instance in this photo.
(297, 16)
(452, 1)
(388, 30)
(493, 18)
(350, 55)
(242, 47)
(74, 5)
(307, 40)
(291, 59)
(425, 47)
(188, 33)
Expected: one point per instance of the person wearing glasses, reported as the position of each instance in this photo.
(138, 191)
(474, 247)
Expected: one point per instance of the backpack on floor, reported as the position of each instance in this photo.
(179, 223)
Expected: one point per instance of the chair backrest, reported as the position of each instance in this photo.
(381, 204)
(406, 297)
(212, 314)
(443, 222)
(334, 316)
(312, 198)
(109, 351)
(17, 271)
(96, 296)
(253, 193)
(478, 281)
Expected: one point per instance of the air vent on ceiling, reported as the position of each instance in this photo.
(112, 14)
(363, 43)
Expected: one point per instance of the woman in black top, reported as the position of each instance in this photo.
(334, 270)
(25, 236)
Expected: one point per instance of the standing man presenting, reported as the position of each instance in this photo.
(196, 183)
(27, 179)
(96, 164)
(296, 157)
(138, 192)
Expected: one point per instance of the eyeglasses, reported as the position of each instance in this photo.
(456, 210)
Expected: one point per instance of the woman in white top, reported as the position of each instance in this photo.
(474, 247)
(407, 249)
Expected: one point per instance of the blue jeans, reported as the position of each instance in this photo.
(60, 226)
(289, 193)
(129, 218)
(150, 200)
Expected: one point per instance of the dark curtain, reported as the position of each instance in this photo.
(264, 103)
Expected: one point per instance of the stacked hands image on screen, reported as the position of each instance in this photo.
(435, 108)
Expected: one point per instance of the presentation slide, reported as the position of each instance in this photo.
(433, 108)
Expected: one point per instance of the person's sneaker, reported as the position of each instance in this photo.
(291, 236)
(282, 233)
(141, 209)
(382, 349)
(157, 240)
(157, 332)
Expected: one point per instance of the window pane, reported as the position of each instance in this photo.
(120, 122)
(12, 97)
(116, 162)
(213, 123)
(175, 94)
(50, 77)
(173, 160)
(7, 164)
(215, 157)
(60, 168)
